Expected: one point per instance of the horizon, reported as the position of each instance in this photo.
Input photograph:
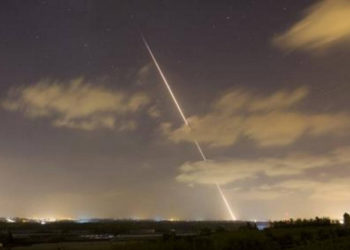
(9, 219)
(48, 220)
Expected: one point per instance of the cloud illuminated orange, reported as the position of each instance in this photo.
(324, 25)
(273, 120)
(76, 104)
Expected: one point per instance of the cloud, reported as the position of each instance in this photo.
(331, 190)
(266, 120)
(239, 169)
(154, 112)
(263, 192)
(288, 174)
(326, 191)
(334, 189)
(239, 99)
(76, 104)
(325, 24)
(143, 74)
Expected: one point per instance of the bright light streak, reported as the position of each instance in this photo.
(165, 81)
(233, 217)
(200, 150)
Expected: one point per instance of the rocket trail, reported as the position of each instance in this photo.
(165, 81)
(201, 152)
(233, 217)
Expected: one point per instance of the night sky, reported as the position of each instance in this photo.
(88, 128)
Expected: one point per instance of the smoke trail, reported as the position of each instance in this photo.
(233, 217)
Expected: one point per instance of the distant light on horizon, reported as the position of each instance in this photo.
(9, 220)
(173, 219)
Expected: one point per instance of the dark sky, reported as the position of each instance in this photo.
(88, 128)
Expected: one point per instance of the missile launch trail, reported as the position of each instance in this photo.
(233, 217)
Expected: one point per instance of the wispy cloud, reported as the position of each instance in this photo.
(144, 73)
(330, 190)
(154, 112)
(325, 24)
(272, 120)
(238, 169)
(76, 104)
(288, 175)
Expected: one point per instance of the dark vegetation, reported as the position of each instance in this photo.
(318, 233)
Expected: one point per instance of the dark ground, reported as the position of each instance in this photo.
(205, 235)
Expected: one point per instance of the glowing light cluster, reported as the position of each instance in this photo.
(10, 220)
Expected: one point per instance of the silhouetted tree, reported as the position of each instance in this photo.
(346, 219)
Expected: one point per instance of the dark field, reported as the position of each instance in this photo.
(216, 235)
